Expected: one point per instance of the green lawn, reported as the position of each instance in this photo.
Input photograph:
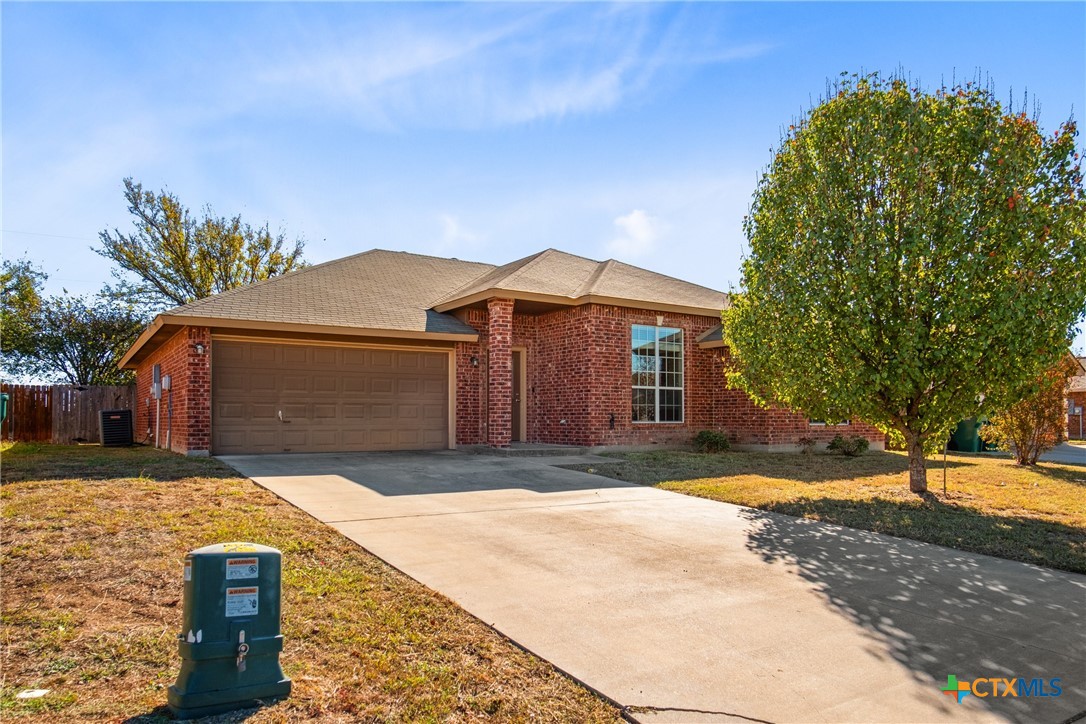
(1036, 515)
(92, 545)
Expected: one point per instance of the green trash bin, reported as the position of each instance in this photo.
(3, 406)
(966, 437)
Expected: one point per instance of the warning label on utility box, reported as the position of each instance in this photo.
(242, 601)
(242, 568)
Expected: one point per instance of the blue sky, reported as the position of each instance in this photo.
(482, 131)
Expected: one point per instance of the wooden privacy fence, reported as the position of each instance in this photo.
(60, 413)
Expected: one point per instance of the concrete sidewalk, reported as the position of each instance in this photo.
(1066, 454)
(682, 609)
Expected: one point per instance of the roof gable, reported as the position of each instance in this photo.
(567, 278)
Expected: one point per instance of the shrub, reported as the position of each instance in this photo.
(806, 445)
(1038, 421)
(711, 441)
(849, 446)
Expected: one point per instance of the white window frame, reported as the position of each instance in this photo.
(657, 387)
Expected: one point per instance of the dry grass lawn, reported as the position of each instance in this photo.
(1036, 515)
(93, 541)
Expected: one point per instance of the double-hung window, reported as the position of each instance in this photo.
(657, 367)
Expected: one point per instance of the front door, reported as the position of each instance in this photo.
(518, 397)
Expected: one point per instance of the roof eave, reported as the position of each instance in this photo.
(145, 336)
(482, 296)
(288, 327)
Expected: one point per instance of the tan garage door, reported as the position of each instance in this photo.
(309, 398)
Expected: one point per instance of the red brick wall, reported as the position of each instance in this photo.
(190, 375)
(471, 383)
(499, 370)
(1074, 430)
(578, 376)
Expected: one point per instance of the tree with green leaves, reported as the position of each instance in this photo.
(79, 341)
(20, 284)
(1038, 422)
(915, 259)
(173, 258)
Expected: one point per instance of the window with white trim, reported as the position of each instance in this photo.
(657, 369)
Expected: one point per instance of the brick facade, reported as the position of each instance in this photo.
(1076, 424)
(190, 373)
(499, 369)
(577, 385)
(578, 389)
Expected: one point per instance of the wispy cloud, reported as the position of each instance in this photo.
(486, 66)
(638, 234)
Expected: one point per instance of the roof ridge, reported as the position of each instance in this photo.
(593, 278)
(493, 269)
(531, 261)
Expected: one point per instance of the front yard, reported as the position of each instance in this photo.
(93, 541)
(993, 506)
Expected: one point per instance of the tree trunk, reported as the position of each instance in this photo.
(918, 473)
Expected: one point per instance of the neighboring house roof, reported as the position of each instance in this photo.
(397, 294)
(1078, 382)
(557, 277)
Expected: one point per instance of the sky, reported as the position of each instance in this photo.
(486, 132)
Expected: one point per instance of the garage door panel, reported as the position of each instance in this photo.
(296, 384)
(232, 411)
(353, 384)
(296, 356)
(263, 412)
(264, 354)
(354, 439)
(407, 361)
(263, 382)
(331, 398)
(263, 438)
(325, 412)
(324, 438)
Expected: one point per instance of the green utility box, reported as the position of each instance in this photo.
(229, 641)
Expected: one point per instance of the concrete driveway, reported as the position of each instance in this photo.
(682, 609)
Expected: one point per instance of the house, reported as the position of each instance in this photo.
(387, 350)
(1076, 402)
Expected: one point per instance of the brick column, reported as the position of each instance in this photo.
(499, 372)
(197, 397)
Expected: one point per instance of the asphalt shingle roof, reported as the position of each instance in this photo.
(373, 290)
(558, 274)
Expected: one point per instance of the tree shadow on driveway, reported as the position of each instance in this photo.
(941, 612)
